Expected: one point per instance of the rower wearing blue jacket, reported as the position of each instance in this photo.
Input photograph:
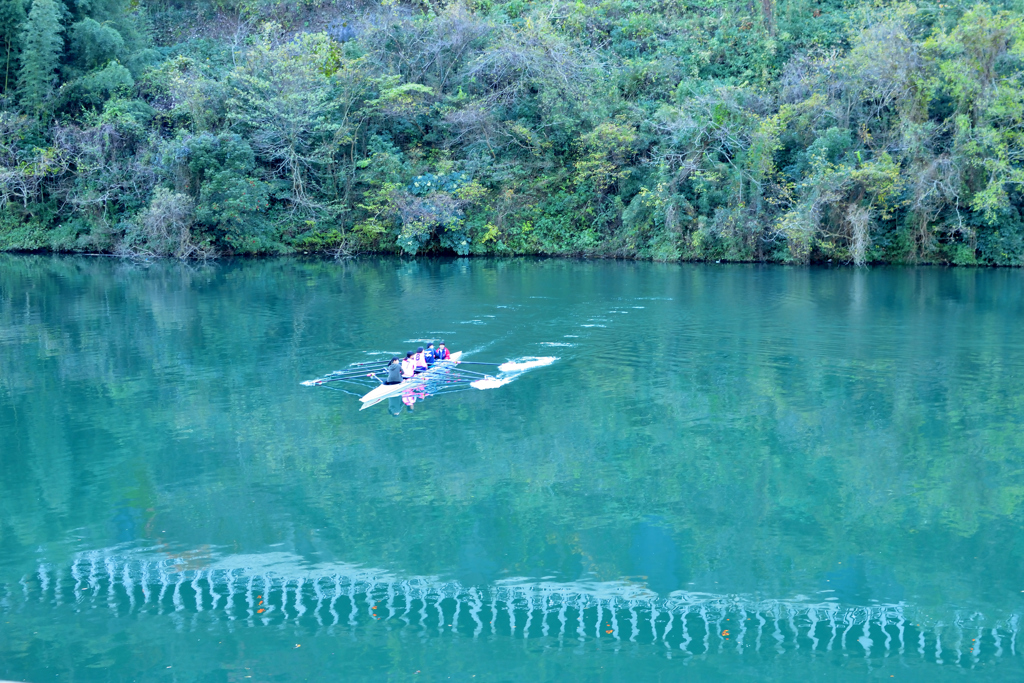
(430, 354)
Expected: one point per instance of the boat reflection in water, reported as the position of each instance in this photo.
(408, 398)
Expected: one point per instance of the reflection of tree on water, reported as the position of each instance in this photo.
(126, 523)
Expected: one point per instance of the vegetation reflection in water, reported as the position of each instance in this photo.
(803, 464)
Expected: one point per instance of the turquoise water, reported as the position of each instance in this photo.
(760, 473)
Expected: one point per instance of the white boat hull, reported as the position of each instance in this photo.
(386, 391)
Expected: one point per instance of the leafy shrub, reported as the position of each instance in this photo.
(165, 229)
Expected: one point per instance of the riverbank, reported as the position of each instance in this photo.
(344, 251)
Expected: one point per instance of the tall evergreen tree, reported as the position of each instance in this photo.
(12, 20)
(41, 48)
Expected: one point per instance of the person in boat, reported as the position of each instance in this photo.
(408, 366)
(421, 360)
(394, 371)
(442, 352)
(430, 354)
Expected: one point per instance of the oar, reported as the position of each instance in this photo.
(338, 375)
(473, 362)
(344, 391)
(342, 378)
(360, 368)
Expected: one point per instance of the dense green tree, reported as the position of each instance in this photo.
(790, 131)
(42, 44)
(286, 101)
(94, 44)
(12, 20)
(228, 199)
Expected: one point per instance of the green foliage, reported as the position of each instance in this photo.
(166, 228)
(17, 234)
(793, 131)
(99, 86)
(94, 44)
(436, 206)
(12, 20)
(284, 99)
(228, 198)
(42, 44)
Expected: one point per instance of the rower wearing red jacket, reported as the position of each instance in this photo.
(442, 352)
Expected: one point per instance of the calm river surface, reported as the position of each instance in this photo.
(730, 472)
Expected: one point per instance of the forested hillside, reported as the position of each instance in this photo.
(778, 130)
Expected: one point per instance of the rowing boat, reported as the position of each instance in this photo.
(446, 376)
(386, 391)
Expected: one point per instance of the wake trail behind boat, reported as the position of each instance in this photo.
(513, 370)
(491, 382)
(527, 363)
